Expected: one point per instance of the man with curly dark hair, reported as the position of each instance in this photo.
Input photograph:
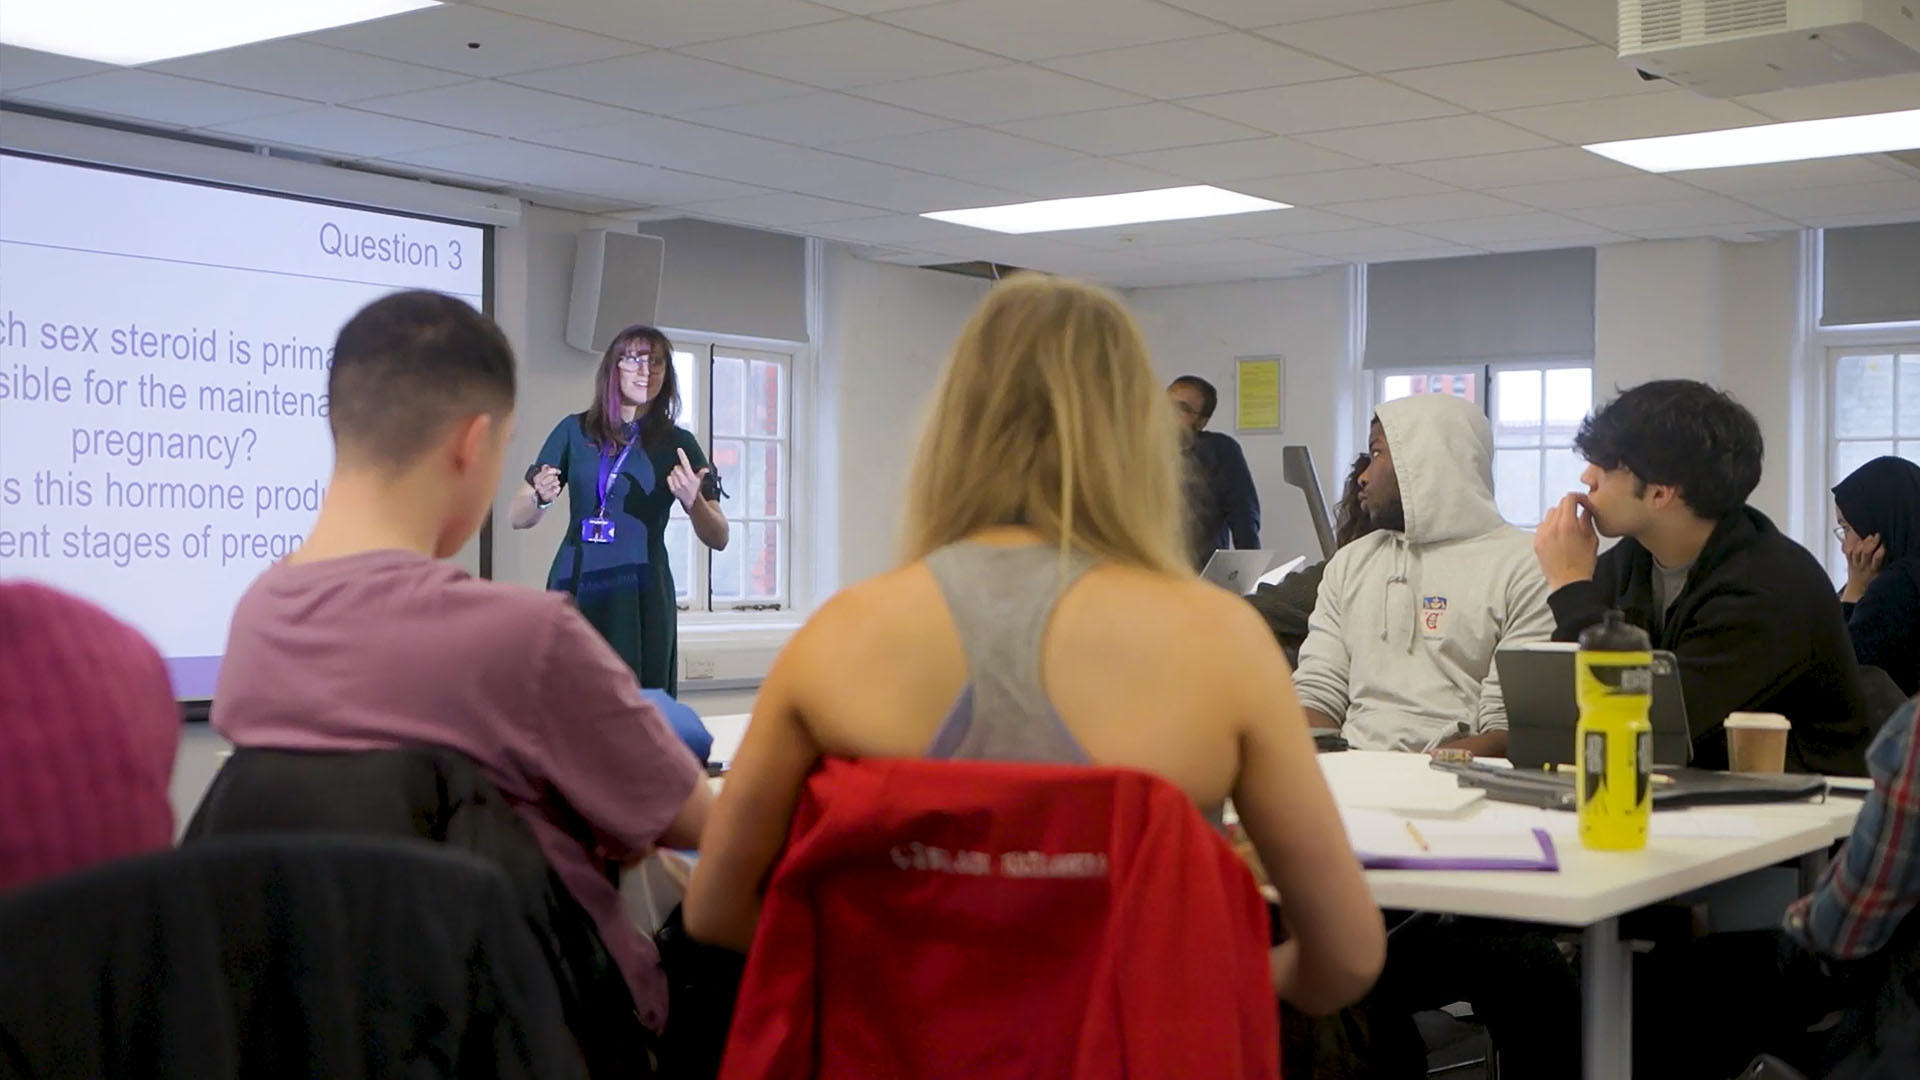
(1750, 614)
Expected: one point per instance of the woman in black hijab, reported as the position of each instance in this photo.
(1879, 516)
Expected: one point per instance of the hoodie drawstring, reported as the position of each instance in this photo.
(1399, 577)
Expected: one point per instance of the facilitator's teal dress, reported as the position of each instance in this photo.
(624, 588)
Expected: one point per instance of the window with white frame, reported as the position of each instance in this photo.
(1535, 410)
(1864, 285)
(738, 404)
(1875, 396)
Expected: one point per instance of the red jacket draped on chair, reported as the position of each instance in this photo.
(973, 919)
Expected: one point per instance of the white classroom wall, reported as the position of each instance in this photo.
(887, 331)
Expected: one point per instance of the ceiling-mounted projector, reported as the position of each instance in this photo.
(1727, 48)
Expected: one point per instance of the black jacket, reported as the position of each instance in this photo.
(439, 795)
(285, 957)
(1223, 508)
(1756, 629)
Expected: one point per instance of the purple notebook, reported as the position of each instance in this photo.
(1386, 842)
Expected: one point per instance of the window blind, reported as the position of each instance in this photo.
(1485, 308)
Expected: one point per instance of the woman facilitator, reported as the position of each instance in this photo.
(612, 459)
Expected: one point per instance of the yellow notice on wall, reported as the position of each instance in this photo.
(1257, 388)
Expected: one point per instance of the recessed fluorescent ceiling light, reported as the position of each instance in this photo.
(1094, 211)
(143, 31)
(1766, 144)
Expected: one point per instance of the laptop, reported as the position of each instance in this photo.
(1537, 681)
(1238, 571)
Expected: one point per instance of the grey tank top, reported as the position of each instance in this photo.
(1002, 600)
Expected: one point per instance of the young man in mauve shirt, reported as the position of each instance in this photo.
(364, 639)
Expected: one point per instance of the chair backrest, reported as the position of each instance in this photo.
(1883, 696)
(980, 920)
(278, 956)
(438, 795)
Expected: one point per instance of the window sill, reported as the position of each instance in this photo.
(731, 652)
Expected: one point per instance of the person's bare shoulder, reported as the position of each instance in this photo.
(874, 609)
(1198, 624)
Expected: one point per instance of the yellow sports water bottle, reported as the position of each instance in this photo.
(1613, 743)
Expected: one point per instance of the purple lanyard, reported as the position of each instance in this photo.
(607, 474)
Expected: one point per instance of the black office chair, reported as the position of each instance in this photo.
(289, 957)
(439, 795)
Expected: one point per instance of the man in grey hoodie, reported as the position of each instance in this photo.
(1399, 650)
(1399, 656)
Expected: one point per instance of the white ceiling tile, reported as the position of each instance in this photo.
(161, 99)
(1277, 227)
(845, 53)
(1216, 64)
(495, 108)
(1427, 140)
(1827, 172)
(1735, 232)
(1543, 229)
(1362, 242)
(650, 140)
(999, 94)
(1583, 194)
(1417, 209)
(1514, 82)
(1258, 226)
(578, 203)
(873, 184)
(442, 36)
(820, 118)
(1440, 251)
(1451, 31)
(1085, 176)
(563, 170)
(1131, 129)
(671, 25)
(1218, 249)
(21, 68)
(1323, 106)
(660, 82)
(1596, 238)
(872, 7)
(1856, 98)
(1598, 19)
(1669, 112)
(345, 132)
(1253, 13)
(1819, 205)
(958, 150)
(1245, 158)
(671, 187)
(1026, 30)
(1341, 185)
(1700, 211)
(904, 229)
(303, 70)
(781, 210)
(1523, 167)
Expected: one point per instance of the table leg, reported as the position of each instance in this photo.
(1812, 865)
(1606, 1003)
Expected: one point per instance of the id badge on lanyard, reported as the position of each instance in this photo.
(598, 529)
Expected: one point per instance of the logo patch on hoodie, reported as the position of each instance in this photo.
(1433, 611)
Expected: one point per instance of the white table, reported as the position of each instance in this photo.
(1592, 889)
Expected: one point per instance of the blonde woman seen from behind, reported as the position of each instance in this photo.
(1046, 612)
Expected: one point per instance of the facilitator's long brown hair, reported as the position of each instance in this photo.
(1049, 415)
(601, 421)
